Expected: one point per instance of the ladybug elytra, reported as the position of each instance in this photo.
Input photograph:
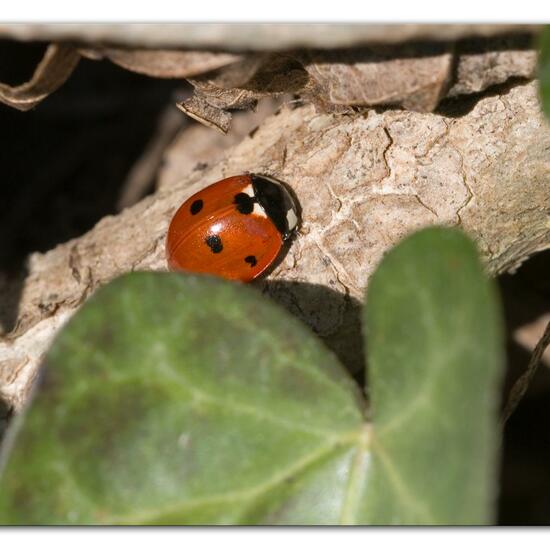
(234, 228)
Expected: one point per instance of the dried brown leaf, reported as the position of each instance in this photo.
(56, 66)
(165, 63)
(414, 77)
(236, 75)
(241, 85)
(226, 98)
(198, 108)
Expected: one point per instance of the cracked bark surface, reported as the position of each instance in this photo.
(364, 181)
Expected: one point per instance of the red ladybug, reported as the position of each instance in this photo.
(234, 228)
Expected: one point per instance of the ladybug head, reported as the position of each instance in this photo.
(278, 203)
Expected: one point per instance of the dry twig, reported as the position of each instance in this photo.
(522, 383)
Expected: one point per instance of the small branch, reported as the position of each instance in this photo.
(522, 383)
(143, 173)
(358, 199)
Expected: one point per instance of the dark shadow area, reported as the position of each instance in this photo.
(334, 317)
(461, 105)
(5, 415)
(504, 43)
(525, 476)
(64, 162)
(525, 469)
(11, 287)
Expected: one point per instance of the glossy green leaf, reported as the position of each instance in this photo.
(174, 399)
(544, 70)
(435, 361)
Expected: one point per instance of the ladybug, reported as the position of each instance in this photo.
(234, 228)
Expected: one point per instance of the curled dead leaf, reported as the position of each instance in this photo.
(56, 66)
(241, 85)
(197, 107)
(164, 63)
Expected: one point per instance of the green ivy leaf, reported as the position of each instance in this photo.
(544, 70)
(174, 399)
(184, 399)
(435, 361)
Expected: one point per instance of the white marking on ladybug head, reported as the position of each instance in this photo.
(292, 219)
(258, 210)
(248, 190)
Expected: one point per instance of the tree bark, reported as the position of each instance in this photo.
(364, 181)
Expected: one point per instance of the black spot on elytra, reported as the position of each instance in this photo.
(251, 260)
(244, 202)
(196, 207)
(215, 243)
